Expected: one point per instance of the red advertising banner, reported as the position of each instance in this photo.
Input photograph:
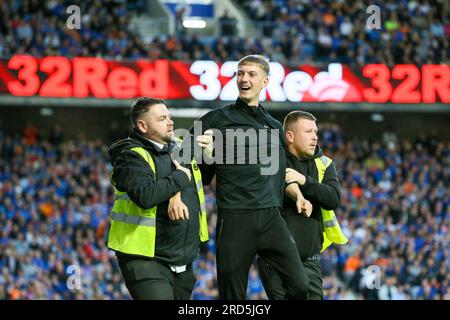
(82, 77)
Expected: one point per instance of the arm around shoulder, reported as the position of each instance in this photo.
(132, 174)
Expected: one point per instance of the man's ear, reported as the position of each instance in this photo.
(266, 81)
(289, 135)
(141, 126)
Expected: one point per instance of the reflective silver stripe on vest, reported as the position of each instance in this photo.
(324, 160)
(198, 185)
(330, 223)
(122, 197)
(137, 220)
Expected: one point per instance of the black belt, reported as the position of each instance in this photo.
(315, 257)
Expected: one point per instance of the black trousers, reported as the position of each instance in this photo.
(149, 279)
(274, 286)
(240, 235)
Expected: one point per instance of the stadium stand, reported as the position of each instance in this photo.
(55, 198)
(36, 29)
(295, 31)
(414, 31)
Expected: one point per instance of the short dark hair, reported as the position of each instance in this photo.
(141, 106)
(263, 62)
(293, 116)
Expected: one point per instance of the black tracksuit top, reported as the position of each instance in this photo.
(241, 186)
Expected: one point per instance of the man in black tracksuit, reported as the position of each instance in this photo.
(250, 188)
(168, 274)
(306, 228)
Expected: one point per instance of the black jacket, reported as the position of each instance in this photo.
(242, 185)
(177, 242)
(307, 232)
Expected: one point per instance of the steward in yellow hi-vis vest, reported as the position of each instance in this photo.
(155, 247)
(332, 231)
(316, 179)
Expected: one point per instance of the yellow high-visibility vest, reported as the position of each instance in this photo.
(133, 229)
(332, 231)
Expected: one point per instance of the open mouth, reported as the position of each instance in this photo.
(245, 88)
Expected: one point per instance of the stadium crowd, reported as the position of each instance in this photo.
(409, 31)
(39, 28)
(55, 198)
(294, 31)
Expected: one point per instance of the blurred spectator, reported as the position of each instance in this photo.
(179, 15)
(389, 291)
(30, 134)
(56, 136)
(227, 24)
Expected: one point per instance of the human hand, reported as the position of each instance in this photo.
(177, 210)
(206, 142)
(304, 207)
(293, 175)
(185, 170)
